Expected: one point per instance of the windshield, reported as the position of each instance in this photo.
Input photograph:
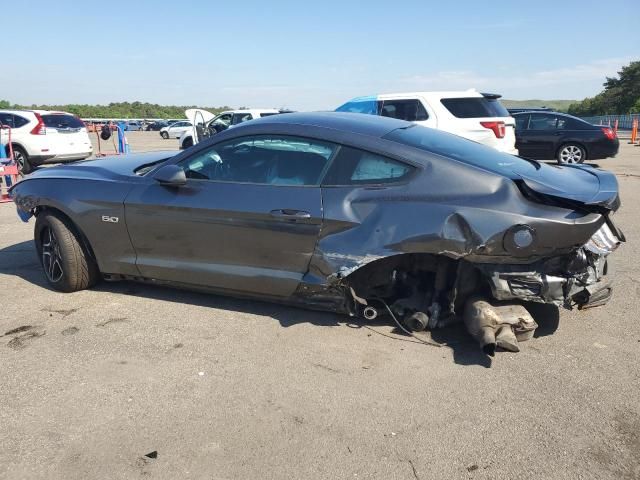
(461, 149)
(367, 105)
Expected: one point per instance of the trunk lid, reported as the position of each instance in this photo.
(576, 183)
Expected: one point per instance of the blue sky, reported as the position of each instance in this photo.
(309, 55)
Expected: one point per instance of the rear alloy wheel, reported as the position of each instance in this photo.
(571, 154)
(164, 135)
(22, 160)
(65, 260)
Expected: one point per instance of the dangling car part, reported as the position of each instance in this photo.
(340, 212)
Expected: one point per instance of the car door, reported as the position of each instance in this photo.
(247, 219)
(541, 137)
(199, 119)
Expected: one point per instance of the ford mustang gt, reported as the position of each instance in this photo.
(338, 211)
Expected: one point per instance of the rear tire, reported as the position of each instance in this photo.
(164, 135)
(571, 154)
(67, 265)
(188, 142)
(22, 160)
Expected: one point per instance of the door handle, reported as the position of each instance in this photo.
(289, 213)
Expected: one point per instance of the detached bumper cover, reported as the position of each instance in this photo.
(577, 279)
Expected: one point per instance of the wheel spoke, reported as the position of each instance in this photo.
(51, 257)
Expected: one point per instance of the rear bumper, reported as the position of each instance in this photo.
(601, 150)
(576, 279)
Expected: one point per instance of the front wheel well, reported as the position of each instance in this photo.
(40, 209)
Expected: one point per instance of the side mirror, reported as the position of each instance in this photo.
(171, 175)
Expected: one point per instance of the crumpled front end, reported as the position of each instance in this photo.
(576, 279)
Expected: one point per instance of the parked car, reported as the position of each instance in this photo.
(469, 114)
(207, 124)
(133, 126)
(530, 109)
(567, 139)
(40, 136)
(346, 212)
(174, 130)
(156, 126)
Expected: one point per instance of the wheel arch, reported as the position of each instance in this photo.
(84, 240)
(573, 142)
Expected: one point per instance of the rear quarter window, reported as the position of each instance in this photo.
(474, 107)
(352, 166)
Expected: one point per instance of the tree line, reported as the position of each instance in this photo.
(620, 95)
(116, 109)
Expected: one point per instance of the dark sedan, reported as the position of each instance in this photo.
(354, 213)
(561, 137)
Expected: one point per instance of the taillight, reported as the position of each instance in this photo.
(39, 129)
(497, 127)
(609, 133)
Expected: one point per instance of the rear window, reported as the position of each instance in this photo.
(475, 107)
(461, 149)
(62, 121)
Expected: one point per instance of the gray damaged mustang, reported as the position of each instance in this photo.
(352, 213)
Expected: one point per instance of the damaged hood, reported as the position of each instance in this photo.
(583, 184)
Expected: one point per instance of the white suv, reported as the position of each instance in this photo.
(207, 124)
(469, 114)
(40, 136)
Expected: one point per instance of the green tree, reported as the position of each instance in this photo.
(620, 95)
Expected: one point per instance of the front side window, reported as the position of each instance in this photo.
(241, 117)
(409, 110)
(262, 159)
(224, 119)
(358, 167)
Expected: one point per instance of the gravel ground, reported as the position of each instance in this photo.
(224, 389)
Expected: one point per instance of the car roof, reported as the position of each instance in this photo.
(435, 95)
(251, 110)
(537, 112)
(358, 123)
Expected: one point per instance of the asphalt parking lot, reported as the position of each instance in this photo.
(223, 388)
(138, 142)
